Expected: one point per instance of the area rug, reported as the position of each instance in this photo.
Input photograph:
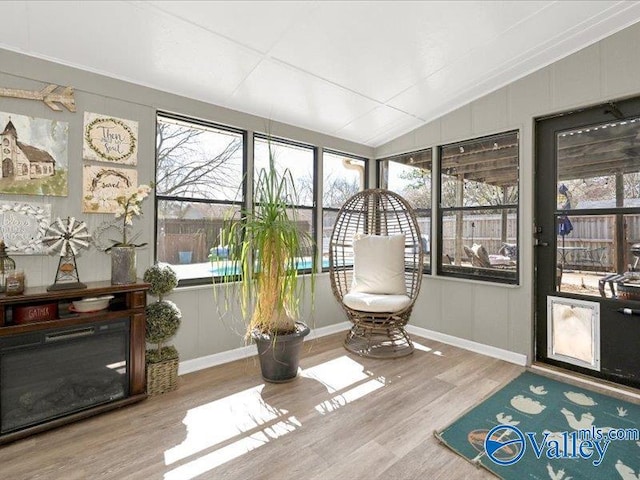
(543, 429)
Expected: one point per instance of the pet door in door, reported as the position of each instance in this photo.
(573, 332)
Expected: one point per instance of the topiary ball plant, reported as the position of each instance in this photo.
(162, 279)
(163, 316)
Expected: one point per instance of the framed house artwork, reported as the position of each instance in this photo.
(102, 185)
(33, 155)
(110, 139)
(22, 226)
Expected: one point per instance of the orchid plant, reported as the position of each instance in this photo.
(130, 206)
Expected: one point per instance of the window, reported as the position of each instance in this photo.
(199, 182)
(300, 161)
(597, 203)
(409, 175)
(342, 177)
(478, 224)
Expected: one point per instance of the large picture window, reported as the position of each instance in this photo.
(199, 183)
(409, 175)
(342, 177)
(299, 159)
(478, 221)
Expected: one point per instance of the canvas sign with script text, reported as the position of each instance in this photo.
(102, 185)
(110, 139)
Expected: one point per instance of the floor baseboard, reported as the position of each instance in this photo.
(189, 366)
(506, 355)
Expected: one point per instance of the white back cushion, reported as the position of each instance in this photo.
(378, 264)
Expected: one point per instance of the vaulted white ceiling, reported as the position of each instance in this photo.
(367, 71)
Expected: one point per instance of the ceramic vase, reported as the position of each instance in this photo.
(123, 265)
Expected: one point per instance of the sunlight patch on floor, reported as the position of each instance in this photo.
(234, 450)
(349, 396)
(225, 429)
(422, 348)
(337, 374)
(216, 422)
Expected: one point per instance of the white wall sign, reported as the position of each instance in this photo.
(110, 139)
(101, 187)
(22, 226)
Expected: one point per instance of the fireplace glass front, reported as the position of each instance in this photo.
(52, 373)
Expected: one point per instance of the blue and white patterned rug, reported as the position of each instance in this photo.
(544, 429)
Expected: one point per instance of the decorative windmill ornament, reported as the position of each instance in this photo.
(66, 237)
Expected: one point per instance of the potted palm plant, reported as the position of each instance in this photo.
(264, 248)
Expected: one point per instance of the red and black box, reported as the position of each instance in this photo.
(35, 313)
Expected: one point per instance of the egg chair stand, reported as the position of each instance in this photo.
(376, 212)
(378, 336)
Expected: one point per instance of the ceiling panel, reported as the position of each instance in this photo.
(366, 71)
(537, 41)
(341, 43)
(278, 92)
(379, 124)
(142, 46)
(13, 33)
(381, 48)
(257, 24)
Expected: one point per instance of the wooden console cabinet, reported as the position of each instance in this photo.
(39, 311)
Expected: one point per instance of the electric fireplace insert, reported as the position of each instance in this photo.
(51, 373)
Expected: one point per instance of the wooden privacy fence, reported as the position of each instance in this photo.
(185, 248)
(177, 237)
(589, 233)
(589, 245)
(187, 235)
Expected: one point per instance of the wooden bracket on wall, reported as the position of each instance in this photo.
(50, 95)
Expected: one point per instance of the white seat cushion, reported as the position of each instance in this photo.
(500, 260)
(378, 264)
(376, 303)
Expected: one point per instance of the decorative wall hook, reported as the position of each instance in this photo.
(50, 95)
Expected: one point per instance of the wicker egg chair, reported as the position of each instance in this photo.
(378, 319)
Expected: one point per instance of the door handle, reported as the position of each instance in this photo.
(629, 311)
(540, 244)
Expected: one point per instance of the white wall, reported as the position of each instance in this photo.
(499, 315)
(202, 332)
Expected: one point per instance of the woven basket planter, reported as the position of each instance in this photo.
(162, 377)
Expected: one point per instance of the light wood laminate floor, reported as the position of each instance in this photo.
(345, 417)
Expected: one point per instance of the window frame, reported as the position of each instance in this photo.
(427, 269)
(314, 195)
(334, 209)
(159, 198)
(478, 273)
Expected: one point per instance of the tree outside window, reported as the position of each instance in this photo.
(199, 182)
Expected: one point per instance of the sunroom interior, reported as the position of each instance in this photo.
(466, 156)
